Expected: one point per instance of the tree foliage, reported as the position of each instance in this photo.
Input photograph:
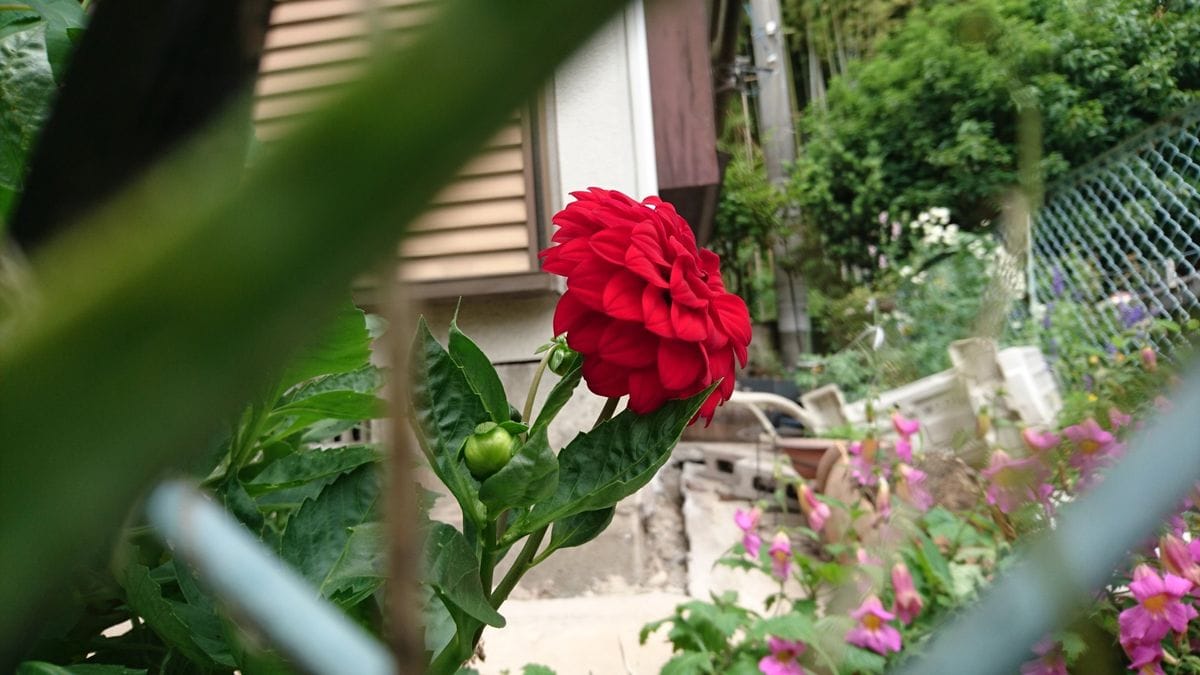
(932, 117)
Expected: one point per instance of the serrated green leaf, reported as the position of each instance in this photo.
(445, 411)
(453, 570)
(580, 528)
(599, 468)
(358, 571)
(558, 396)
(43, 668)
(318, 533)
(365, 380)
(529, 477)
(63, 20)
(291, 417)
(343, 346)
(310, 465)
(239, 502)
(144, 596)
(480, 373)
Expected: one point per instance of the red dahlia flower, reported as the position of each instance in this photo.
(644, 305)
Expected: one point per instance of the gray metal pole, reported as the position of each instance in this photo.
(777, 136)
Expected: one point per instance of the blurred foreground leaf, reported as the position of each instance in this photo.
(158, 317)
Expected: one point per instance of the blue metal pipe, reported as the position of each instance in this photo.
(247, 576)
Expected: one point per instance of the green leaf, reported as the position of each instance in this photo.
(445, 411)
(343, 346)
(43, 668)
(453, 570)
(144, 596)
(580, 528)
(791, 626)
(599, 468)
(559, 395)
(318, 534)
(480, 373)
(529, 477)
(26, 88)
(365, 380)
(63, 20)
(307, 466)
(537, 669)
(239, 502)
(358, 572)
(331, 405)
(688, 663)
(436, 619)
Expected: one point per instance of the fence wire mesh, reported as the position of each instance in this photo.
(1117, 243)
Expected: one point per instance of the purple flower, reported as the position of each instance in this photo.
(873, 632)
(747, 522)
(1039, 441)
(1050, 660)
(781, 555)
(1118, 419)
(1058, 283)
(904, 449)
(1159, 609)
(1012, 482)
(1132, 314)
(782, 659)
(908, 602)
(904, 426)
(815, 510)
(912, 487)
(1093, 445)
(1177, 558)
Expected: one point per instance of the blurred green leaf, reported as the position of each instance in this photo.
(42, 668)
(580, 528)
(26, 87)
(154, 336)
(330, 405)
(343, 346)
(144, 595)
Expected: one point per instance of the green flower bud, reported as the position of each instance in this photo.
(562, 358)
(489, 449)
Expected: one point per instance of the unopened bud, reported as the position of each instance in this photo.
(489, 449)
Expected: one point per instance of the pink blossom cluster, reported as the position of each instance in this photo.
(875, 630)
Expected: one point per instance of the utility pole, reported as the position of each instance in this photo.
(777, 136)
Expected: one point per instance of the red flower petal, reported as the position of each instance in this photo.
(588, 281)
(640, 264)
(564, 258)
(656, 313)
(689, 323)
(604, 378)
(733, 317)
(686, 285)
(569, 313)
(628, 344)
(623, 296)
(645, 391)
(682, 366)
(611, 244)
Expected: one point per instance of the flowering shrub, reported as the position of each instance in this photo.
(860, 583)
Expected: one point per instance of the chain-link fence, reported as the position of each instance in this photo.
(1117, 243)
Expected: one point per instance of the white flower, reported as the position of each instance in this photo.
(940, 213)
(919, 278)
(906, 271)
(877, 339)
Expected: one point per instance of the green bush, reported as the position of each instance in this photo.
(932, 116)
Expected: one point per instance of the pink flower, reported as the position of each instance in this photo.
(782, 659)
(781, 555)
(1144, 657)
(1050, 660)
(747, 521)
(1012, 482)
(1039, 441)
(912, 487)
(904, 426)
(1092, 443)
(908, 602)
(861, 466)
(904, 449)
(883, 498)
(1159, 609)
(873, 632)
(814, 509)
(1149, 359)
(1118, 419)
(1177, 558)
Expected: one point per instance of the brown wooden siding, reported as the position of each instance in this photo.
(484, 224)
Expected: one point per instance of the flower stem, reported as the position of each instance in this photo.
(610, 406)
(487, 562)
(520, 566)
(533, 387)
